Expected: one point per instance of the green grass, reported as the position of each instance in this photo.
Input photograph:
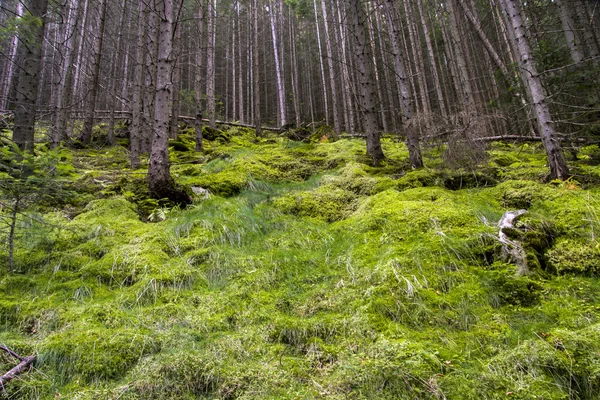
(308, 274)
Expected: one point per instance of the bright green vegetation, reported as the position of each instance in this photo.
(308, 274)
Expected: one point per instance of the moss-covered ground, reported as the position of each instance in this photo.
(308, 274)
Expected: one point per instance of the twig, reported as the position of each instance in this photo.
(23, 366)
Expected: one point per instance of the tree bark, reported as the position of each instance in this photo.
(30, 49)
(367, 95)
(569, 29)
(8, 73)
(135, 134)
(538, 101)
(86, 133)
(334, 94)
(255, 69)
(281, 111)
(160, 182)
(412, 138)
(210, 62)
(198, 76)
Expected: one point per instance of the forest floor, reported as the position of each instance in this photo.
(307, 274)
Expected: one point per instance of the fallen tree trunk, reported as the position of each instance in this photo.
(20, 368)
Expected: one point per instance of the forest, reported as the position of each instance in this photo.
(299, 199)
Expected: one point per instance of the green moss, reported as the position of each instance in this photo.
(326, 203)
(569, 256)
(226, 183)
(96, 354)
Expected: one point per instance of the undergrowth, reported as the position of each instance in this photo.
(306, 273)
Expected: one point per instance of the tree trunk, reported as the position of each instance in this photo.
(210, 62)
(8, 73)
(30, 50)
(281, 111)
(334, 94)
(484, 39)
(569, 29)
(198, 76)
(175, 103)
(135, 134)
(323, 82)
(432, 60)
(86, 133)
(538, 101)
(65, 92)
(160, 182)
(256, 72)
(113, 86)
(367, 95)
(412, 139)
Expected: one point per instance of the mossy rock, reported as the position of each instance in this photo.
(521, 194)
(574, 256)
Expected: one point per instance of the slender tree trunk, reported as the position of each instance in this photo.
(256, 72)
(324, 84)
(198, 84)
(406, 106)
(347, 83)
(241, 108)
(332, 74)
(8, 73)
(210, 62)
(538, 100)
(432, 60)
(160, 182)
(281, 111)
(294, 61)
(86, 133)
(467, 99)
(367, 98)
(418, 58)
(30, 50)
(65, 90)
(138, 106)
(484, 39)
(569, 29)
(175, 102)
(115, 68)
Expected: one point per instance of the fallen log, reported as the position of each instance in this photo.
(20, 368)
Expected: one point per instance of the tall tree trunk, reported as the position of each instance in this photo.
(348, 95)
(323, 82)
(281, 111)
(367, 95)
(8, 73)
(417, 58)
(406, 106)
(65, 90)
(538, 101)
(160, 182)
(332, 74)
(210, 62)
(198, 84)
(432, 60)
(256, 72)
(484, 39)
(115, 68)
(135, 134)
(86, 133)
(175, 102)
(466, 89)
(569, 30)
(240, 69)
(294, 61)
(30, 49)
